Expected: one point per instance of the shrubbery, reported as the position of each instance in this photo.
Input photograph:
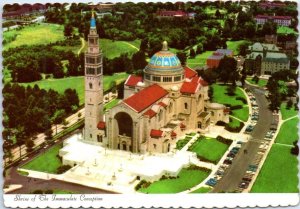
(224, 140)
(194, 167)
(242, 99)
(234, 129)
(63, 168)
(142, 184)
(220, 123)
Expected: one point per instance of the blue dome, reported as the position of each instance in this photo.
(164, 60)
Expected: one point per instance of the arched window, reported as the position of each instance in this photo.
(160, 115)
(91, 85)
(170, 107)
(154, 146)
(185, 105)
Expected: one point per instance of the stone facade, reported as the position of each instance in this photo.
(265, 59)
(93, 85)
(157, 108)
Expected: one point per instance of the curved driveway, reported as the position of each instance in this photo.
(236, 171)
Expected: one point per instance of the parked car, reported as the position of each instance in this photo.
(244, 185)
(228, 162)
(232, 155)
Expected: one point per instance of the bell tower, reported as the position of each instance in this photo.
(93, 84)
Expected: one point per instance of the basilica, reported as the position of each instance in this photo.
(166, 102)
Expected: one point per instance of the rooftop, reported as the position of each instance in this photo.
(133, 80)
(145, 98)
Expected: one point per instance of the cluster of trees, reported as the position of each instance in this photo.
(124, 63)
(279, 91)
(34, 110)
(227, 72)
(27, 63)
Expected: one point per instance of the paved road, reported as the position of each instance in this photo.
(32, 184)
(40, 138)
(236, 171)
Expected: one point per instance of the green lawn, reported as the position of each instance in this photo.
(288, 132)
(112, 49)
(47, 162)
(220, 96)
(242, 114)
(74, 49)
(111, 104)
(261, 82)
(199, 60)
(286, 30)
(234, 123)
(279, 172)
(76, 83)
(186, 179)
(209, 148)
(212, 10)
(234, 45)
(33, 34)
(287, 113)
(202, 190)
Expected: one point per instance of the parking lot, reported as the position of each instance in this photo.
(242, 169)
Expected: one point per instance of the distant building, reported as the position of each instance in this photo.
(266, 59)
(280, 20)
(271, 39)
(271, 5)
(170, 14)
(25, 10)
(214, 60)
(104, 7)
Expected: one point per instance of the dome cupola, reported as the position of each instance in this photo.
(164, 68)
(164, 60)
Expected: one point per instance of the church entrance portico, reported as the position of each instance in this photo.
(123, 132)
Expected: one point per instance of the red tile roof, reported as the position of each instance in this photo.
(173, 134)
(189, 73)
(150, 113)
(273, 17)
(101, 125)
(156, 133)
(182, 126)
(132, 80)
(190, 87)
(162, 104)
(146, 97)
(171, 13)
(203, 82)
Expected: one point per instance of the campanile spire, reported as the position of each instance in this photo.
(93, 84)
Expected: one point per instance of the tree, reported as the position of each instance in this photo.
(295, 149)
(199, 49)
(192, 53)
(243, 48)
(218, 14)
(68, 30)
(228, 70)
(144, 45)
(289, 104)
(58, 117)
(20, 141)
(139, 60)
(255, 79)
(182, 57)
(29, 145)
(48, 134)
